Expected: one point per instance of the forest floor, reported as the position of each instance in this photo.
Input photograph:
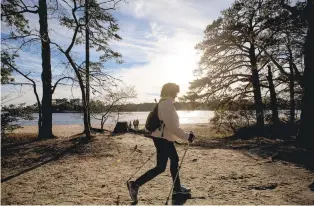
(218, 170)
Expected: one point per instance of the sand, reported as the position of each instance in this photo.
(96, 173)
(70, 130)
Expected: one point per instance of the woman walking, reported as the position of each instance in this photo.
(164, 138)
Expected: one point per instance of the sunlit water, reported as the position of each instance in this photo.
(186, 117)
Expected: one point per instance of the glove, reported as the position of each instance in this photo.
(191, 137)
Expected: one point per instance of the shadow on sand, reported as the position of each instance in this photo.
(29, 155)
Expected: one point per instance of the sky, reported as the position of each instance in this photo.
(158, 40)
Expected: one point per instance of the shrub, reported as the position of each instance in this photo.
(11, 114)
(232, 116)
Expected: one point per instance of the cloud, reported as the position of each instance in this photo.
(25, 93)
(173, 28)
(158, 45)
(188, 14)
(173, 61)
(167, 12)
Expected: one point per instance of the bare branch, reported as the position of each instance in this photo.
(25, 76)
(19, 83)
(55, 85)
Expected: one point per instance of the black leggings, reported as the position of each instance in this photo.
(165, 149)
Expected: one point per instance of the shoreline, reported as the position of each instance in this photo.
(185, 110)
(73, 129)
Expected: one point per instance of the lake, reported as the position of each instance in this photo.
(186, 117)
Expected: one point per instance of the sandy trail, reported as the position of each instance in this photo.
(90, 174)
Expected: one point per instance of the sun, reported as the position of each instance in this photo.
(180, 65)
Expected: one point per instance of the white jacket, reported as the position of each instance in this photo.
(168, 114)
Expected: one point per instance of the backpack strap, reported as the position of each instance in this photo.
(162, 122)
(163, 128)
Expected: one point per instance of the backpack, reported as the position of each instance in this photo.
(152, 121)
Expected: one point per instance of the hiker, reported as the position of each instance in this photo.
(134, 123)
(164, 138)
(130, 125)
(137, 123)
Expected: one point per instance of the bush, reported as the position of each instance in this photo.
(232, 116)
(227, 122)
(11, 114)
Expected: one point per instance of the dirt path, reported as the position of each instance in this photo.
(91, 174)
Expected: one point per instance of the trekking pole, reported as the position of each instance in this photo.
(175, 179)
(119, 160)
(141, 166)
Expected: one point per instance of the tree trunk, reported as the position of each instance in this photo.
(256, 88)
(81, 83)
(39, 109)
(39, 121)
(46, 126)
(102, 125)
(86, 124)
(87, 62)
(273, 98)
(292, 100)
(102, 122)
(292, 78)
(306, 131)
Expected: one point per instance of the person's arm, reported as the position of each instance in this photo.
(171, 119)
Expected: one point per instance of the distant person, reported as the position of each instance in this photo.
(134, 123)
(137, 123)
(164, 138)
(130, 125)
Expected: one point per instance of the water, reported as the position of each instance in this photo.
(186, 117)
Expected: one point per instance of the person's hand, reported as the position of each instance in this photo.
(191, 137)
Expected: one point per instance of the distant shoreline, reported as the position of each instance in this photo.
(73, 129)
(123, 111)
(61, 112)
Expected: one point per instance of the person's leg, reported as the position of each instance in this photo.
(174, 169)
(162, 159)
(174, 165)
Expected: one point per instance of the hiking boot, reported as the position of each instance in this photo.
(183, 191)
(133, 190)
